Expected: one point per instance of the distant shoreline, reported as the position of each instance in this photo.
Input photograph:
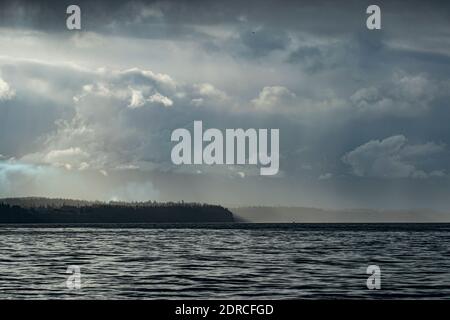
(61, 211)
(309, 227)
(41, 211)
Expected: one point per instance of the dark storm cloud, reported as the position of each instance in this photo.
(296, 15)
(169, 19)
(257, 28)
(261, 42)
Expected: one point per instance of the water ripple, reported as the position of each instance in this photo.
(225, 263)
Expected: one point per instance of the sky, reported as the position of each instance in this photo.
(363, 114)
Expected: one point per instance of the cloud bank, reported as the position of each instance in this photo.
(89, 114)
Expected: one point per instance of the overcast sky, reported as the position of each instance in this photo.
(364, 116)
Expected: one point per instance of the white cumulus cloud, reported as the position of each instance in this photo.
(6, 92)
(392, 157)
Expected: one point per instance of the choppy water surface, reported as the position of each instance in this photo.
(225, 262)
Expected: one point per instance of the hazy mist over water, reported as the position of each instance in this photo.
(265, 261)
